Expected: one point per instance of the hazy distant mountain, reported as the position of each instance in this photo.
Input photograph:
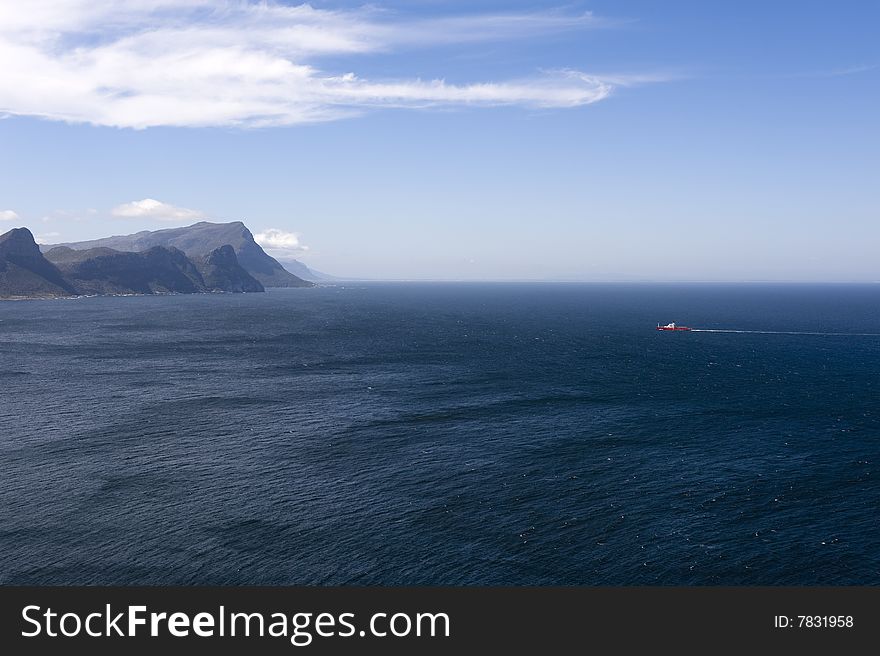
(197, 241)
(24, 272)
(300, 270)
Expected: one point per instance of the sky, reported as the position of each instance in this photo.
(478, 140)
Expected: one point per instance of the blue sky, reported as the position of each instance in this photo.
(458, 140)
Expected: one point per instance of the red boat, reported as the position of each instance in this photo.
(671, 326)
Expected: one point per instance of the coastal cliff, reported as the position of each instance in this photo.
(26, 272)
(198, 241)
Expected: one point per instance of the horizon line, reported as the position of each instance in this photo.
(343, 279)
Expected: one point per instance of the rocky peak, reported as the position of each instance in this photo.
(20, 242)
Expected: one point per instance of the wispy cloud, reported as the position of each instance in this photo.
(149, 208)
(280, 244)
(146, 63)
(849, 70)
(46, 237)
(8, 215)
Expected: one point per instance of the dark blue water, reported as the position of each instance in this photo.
(442, 434)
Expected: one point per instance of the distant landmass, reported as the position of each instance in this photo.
(300, 270)
(202, 258)
(198, 240)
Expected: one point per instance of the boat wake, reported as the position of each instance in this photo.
(782, 332)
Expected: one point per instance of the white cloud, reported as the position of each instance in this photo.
(8, 215)
(149, 208)
(144, 63)
(280, 244)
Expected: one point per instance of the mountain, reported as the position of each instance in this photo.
(24, 272)
(107, 271)
(159, 269)
(300, 270)
(222, 270)
(198, 241)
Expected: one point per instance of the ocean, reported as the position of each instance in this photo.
(444, 434)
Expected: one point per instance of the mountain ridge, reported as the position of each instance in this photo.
(197, 241)
(27, 272)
